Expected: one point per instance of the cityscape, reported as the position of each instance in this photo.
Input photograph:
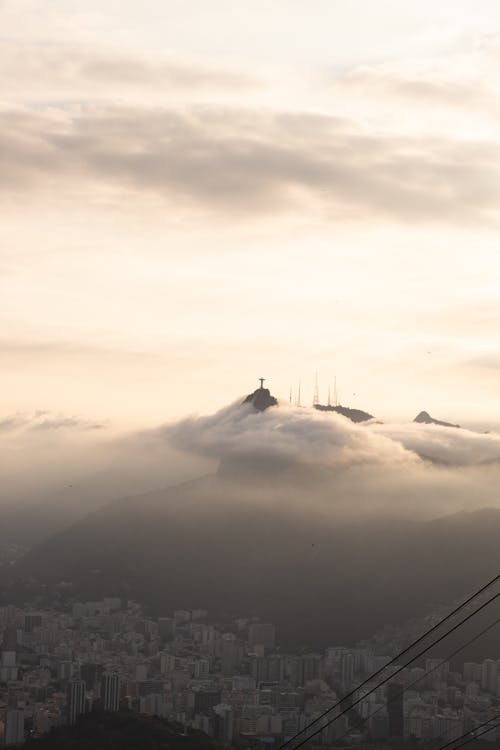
(250, 375)
(229, 679)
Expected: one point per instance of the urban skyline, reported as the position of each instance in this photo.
(230, 679)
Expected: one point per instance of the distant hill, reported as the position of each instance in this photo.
(425, 418)
(321, 580)
(261, 399)
(355, 415)
(122, 731)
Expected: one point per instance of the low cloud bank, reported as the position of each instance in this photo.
(308, 436)
(404, 470)
(48, 458)
(444, 445)
(44, 420)
(301, 435)
(312, 462)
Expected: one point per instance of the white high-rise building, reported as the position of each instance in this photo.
(110, 692)
(75, 705)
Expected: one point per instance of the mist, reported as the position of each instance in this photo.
(323, 462)
(43, 454)
(288, 500)
(287, 459)
(56, 469)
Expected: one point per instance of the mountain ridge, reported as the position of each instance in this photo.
(182, 548)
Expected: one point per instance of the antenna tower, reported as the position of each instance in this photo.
(298, 396)
(316, 391)
(335, 394)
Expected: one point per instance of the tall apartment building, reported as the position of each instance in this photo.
(110, 691)
(75, 700)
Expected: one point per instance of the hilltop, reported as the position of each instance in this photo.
(425, 418)
(355, 415)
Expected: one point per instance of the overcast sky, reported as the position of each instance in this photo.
(195, 194)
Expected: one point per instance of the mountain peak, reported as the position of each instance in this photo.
(355, 415)
(425, 418)
(261, 398)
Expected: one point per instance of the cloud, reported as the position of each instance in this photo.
(302, 436)
(139, 72)
(67, 466)
(306, 436)
(42, 420)
(310, 463)
(13, 422)
(39, 348)
(245, 163)
(33, 71)
(323, 464)
(487, 361)
(424, 89)
(444, 445)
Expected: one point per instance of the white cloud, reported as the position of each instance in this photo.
(447, 445)
(307, 436)
(292, 433)
(244, 163)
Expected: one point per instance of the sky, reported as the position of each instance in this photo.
(196, 194)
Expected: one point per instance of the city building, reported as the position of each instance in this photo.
(110, 692)
(75, 705)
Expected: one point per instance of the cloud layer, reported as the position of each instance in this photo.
(226, 160)
(79, 70)
(307, 436)
(303, 436)
(44, 420)
(283, 460)
(320, 462)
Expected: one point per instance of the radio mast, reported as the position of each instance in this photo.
(316, 391)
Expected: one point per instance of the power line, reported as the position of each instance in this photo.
(472, 731)
(430, 671)
(395, 659)
(390, 677)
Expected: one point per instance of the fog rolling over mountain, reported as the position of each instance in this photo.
(326, 527)
(53, 472)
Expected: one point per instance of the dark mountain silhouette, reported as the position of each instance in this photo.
(425, 418)
(123, 730)
(261, 398)
(229, 547)
(355, 415)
